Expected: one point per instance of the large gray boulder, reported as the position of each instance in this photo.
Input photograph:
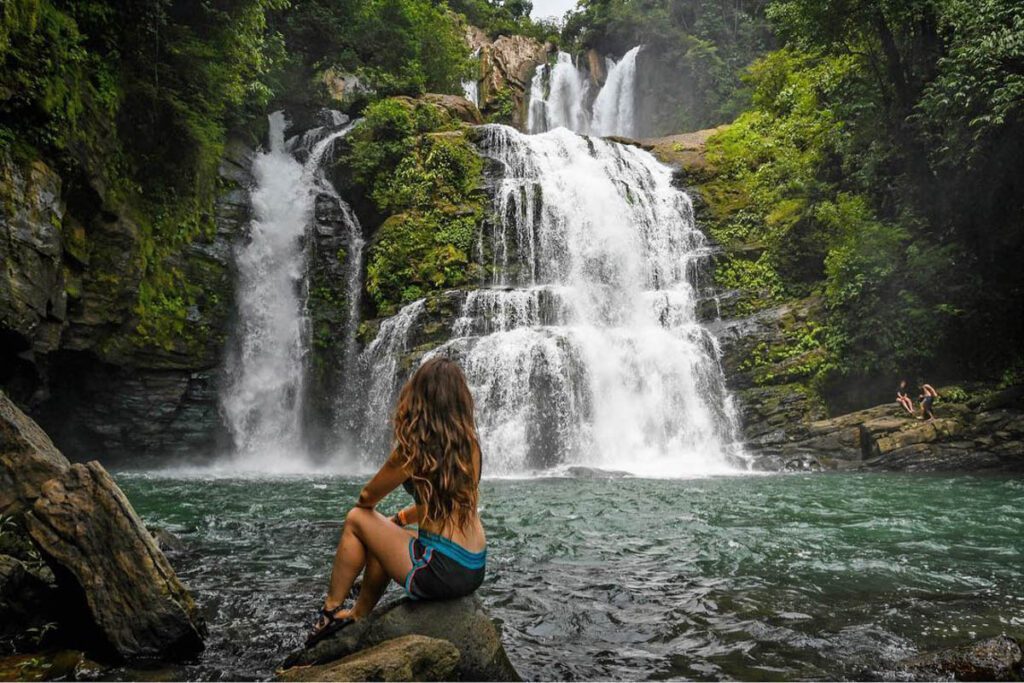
(87, 530)
(462, 622)
(115, 586)
(409, 658)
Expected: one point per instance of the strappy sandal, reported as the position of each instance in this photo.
(327, 624)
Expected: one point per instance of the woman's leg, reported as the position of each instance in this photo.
(368, 535)
(375, 580)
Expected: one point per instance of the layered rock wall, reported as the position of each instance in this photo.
(71, 350)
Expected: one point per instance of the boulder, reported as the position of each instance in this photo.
(462, 622)
(99, 550)
(994, 659)
(27, 459)
(346, 89)
(685, 150)
(108, 568)
(458, 107)
(408, 658)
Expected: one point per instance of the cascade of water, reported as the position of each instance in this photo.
(263, 399)
(613, 108)
(594, 355)
(381, 368)
(560, 96)
(564, 105)
(536, 108)
(471, 87)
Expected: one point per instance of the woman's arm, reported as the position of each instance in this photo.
(387, 479)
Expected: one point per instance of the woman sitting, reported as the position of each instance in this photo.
(435, 454)
(903, 397)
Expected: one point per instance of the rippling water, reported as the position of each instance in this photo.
(772, 577)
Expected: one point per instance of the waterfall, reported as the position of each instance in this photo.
(583, 346)
(471, 90)
(471, 87)
(263, 400)
(562, 96)
(613, 108)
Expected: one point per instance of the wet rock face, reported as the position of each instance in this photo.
(33, 303)
(506, 67)
(71, 268)
(461, 622)
(408, 658)
(115, 589)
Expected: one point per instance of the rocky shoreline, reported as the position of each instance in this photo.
(86, 589)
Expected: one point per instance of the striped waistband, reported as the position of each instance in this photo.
(453, 550)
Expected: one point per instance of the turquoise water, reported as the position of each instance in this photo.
(768, 577)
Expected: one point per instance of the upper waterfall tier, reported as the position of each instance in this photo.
(562, 96)
(582, 346)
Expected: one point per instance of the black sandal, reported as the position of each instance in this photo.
(327, 624)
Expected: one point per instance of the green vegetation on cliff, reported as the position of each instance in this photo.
(693, 57)
(132, 104)
(880, 165)
(424, 176)
(396, 47)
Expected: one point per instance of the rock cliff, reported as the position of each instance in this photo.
(72, 346)
(506, 66)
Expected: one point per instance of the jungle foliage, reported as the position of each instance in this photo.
(693, 57)
(425, 179)
(881, 164)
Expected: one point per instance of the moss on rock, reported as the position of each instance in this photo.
(414, 160)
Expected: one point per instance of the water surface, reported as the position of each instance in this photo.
(773, 577)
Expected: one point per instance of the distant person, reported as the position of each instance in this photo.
(903, 397)
(928, 396)
(436, 455)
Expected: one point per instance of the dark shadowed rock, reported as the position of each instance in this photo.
(28, 605)
(462, 622)
(100, 550)
(409, 658)
(994, 659)
(27, 459)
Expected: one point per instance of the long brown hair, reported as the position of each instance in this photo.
(435, 440)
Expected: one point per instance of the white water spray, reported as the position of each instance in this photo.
(562, 96)
(584, 348)
(264, 398)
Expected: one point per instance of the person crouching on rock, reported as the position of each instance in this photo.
(436, 454)
(928, 396)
